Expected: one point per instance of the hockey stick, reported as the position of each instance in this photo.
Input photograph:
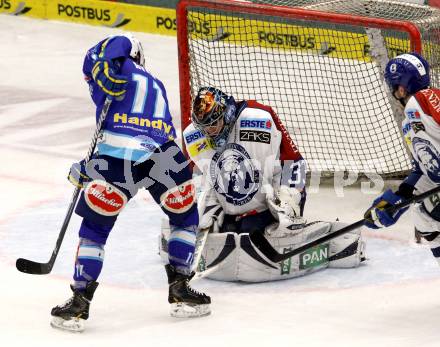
(34, 268)
(201, 238)
(206, 272)
(266, 248)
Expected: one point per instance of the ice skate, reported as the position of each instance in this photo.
(72, 314)
(185, 301)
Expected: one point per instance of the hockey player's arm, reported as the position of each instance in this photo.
(293, 172)
(409, 185)
(107, 64)
(81, 173)
(288, 194)
(288, 182)
(293, 165)
(78, 175)
(376, 215)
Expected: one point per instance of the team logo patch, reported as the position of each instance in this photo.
(428, 156)
(406, 128)
(193, 136)
(413, 114)
(314, 257)
(255, 136)
(264, 124)
(234, 176)
(199, 147)
(417, 126)
(393, 68)
(104, 198)
(179, 199)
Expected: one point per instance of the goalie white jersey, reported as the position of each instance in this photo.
(248, 167)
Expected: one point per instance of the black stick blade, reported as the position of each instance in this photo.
(32, 267)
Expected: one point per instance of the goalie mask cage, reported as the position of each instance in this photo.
(319, 65)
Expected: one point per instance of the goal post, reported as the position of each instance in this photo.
(319, 66)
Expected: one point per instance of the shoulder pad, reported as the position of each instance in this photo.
(428, 101)
(255, 118)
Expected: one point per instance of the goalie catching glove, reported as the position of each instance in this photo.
(286, 201)
(105, 75)
(377, 216)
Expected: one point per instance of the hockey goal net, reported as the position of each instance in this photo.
(318, 64)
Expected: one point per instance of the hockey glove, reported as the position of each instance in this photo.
(77, 174)
(286, 202)
(210, 211)
(105, 76)
(376, 216)
(290, 199)
(213, 216)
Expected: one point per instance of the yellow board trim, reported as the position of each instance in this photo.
(129, 17)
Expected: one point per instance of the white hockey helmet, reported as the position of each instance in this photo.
(137, 52)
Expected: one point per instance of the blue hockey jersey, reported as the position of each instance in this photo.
(140, 121)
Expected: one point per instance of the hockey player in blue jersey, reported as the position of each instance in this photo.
(136, 149)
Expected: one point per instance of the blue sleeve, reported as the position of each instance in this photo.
(408, 185)
(115, 47)
(110, 49)
(415, 174)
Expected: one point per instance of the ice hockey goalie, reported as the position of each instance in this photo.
(253, 181)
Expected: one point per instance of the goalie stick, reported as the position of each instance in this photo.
(35, 268)
(201, 238)
(271, 253)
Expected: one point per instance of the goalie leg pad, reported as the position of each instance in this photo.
(346, 251)
(185, 310)
(298, 231)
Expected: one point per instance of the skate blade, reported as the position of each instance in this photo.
(75, 325)
(182, 310)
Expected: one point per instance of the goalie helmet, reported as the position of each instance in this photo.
(409, 70)
(137, 52)
(213, 114)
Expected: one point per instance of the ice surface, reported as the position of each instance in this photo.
(47, 121)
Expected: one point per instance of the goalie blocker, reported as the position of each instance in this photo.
(238, 259)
